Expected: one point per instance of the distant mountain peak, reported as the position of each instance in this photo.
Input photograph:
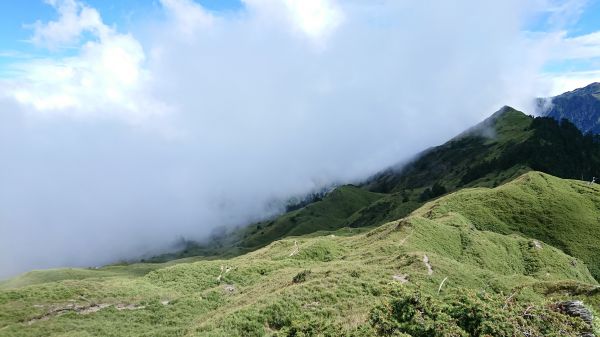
(580, 106)
(594, 86)
(504, 110)
(590, 89)
(488, 127)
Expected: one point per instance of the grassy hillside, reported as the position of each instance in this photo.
(329, 214)
(562, 213)
(497, 150)
(56, 275)
(450, 162)
(326, 215)
(454, 267)
(501, 148)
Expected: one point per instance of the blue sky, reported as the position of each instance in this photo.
(15, 15)
(126, 15)
(586, 23)
(589, 21)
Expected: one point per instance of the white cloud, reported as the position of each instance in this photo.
(103, 72)
(562, 12)
(74, 19)
(574, 59)
(556, 84)
(15, 54)
(577, 47)
(187, 16)
(316, 19)
(105, 79)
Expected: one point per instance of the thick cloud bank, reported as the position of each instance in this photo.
(204, 119)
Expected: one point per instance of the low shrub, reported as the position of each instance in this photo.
(470, 314)
(301, 276)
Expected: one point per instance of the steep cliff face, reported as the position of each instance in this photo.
(581, 107)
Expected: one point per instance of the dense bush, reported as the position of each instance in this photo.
(301, 276)
(280, 314)
(470, 314)
(433, 192)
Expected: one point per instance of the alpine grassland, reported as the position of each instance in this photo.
(477, 262)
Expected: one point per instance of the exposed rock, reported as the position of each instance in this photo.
(577, 309)
(311, 305)
(296, 249)
(402, 278)
(535, 244)
(91, 309)
(81, 310)
(428, 265)
(122, 307)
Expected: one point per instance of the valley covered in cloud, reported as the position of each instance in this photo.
(115, 143)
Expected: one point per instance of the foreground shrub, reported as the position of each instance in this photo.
(301, 276)
(470, 314)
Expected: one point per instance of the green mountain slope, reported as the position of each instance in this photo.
(504, 146)
(560, 212)
(326, 215)
(329, 214)
(497, 150)
(454, 267)
(450, 162)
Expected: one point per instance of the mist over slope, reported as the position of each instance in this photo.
(196, 120)
(451, 268)
(499, 149)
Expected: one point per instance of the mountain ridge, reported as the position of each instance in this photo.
(580, 106)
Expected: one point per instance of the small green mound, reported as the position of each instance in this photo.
(561, 213)
(322, 250)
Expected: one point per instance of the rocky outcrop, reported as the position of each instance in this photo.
(577, 309)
